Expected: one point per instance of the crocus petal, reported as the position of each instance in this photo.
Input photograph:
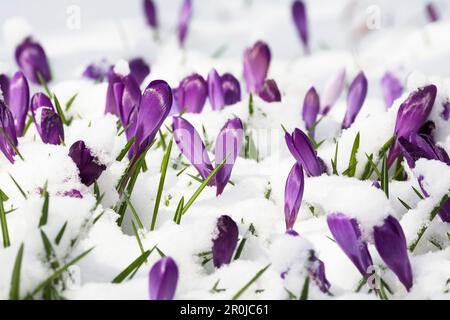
(215, 91)
(183, 22)
(421, 146)
(228, 144)
(225, 241)
(163, 279)
(293, 194)
(150, 13)
(303, 151)
(391, 245)
(444, 213)
(191, 93)
(89, 166)
(270, 91)
(155, 106)
(432, 13)
(4, 87)
(111, 105)
(311, 108)
(411, 115)
(139, 69)
(445, 114)
(391, 87)
(7, 125)
(332, 90)
(316, 271)
(19, 101)
(301, 22)
(73, 193)
(31, 58)
(128, 100)
(47, 121)
(191, 146)
(231, 89)
(355, 99)
(348, 236)
(256, 66)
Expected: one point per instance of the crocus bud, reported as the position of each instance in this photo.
(390, 242)
(191, 94)
(270, 91)
(225, 241)
(316, 270)
(392, 88)
(348, 236)
(332, 90)
(303, 151)
(421, 146)
(4, 87)
(128, 99)
(301, 22)
(98, 71)
(155, 107)
(311, 108)
(411, 115)
(444, 213)
(432, 13)
(111, 105)
(7, 125)
(47, 121)
(256, 66)
(139, 69)
(215, 90)
(191, 146)
(293, 194)
(231, 89)
(31, 58)
(228, 144)
(150, 13)
(163, 279)
(183, 22)
(355, 99)
(89, 166)
(19, 101)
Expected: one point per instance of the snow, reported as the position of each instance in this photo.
(405, 44)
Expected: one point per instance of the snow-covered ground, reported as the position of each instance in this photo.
(399, 39)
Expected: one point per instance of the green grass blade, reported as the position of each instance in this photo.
(351, 169)
(164, 165)
(256, 277)
(136, 234)
(14, 291)
(44, 215)
(18, 186)
(60, 233)
(240, 248)
(250, 104)
(134, 265)
(334, 162)
(12, 145)
(4, 225)
(385, 177)
(70, 102)
(305, 290)
(133, 210)
(125, 150)
(178, 211)
(60, 111)
(421, 197)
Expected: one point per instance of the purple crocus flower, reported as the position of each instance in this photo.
(333, 89)
(231, 89)
(89, 166)
(111, 105)
(301, 22)
(316, 270)
(348, 236)
(411, 116)
(356, 95)
(390, 242)
(183, 22)
(150, 13)
(391, 87)
(445, 114)
(163, 279)
(225, 241)
(128, 100)
(418, 146)
(31, 58)
(47, 121)
(311, 108)
(270, 91)
(215, 91)
(303, 151)
(19, 101)
(228, 144)
(256, 66)
(7, 125)
(293, 194)
(432, 13)
(191, 146)
(98, 71)
(155, 106)
(4, 87)
(191, 94)
(139, 69)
